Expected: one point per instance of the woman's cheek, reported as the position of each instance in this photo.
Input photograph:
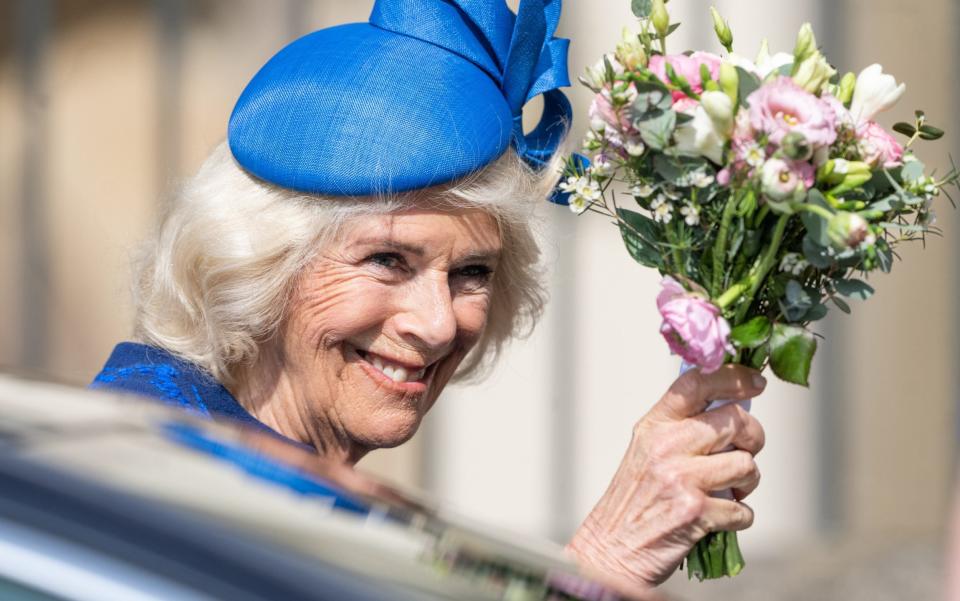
(472, 313)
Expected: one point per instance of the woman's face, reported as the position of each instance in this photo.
(381, 320)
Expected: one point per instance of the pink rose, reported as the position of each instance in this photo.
(781, 107)
(693, 326)
(686, 66)
(878, 147)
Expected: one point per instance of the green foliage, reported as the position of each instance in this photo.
(657, 129)
(796, 302)
(791, 352)
(753, 333)
(640, 235)
(857, 289)
(641, 8)
(749, 83)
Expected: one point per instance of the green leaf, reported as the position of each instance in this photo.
(640, 238)
(905, 227)
(673, 27)
(796, 301)
(641, 8)
(791, 352)
(651, 96)
(816, 313)
(675, 169)
(815, 224)
(884, 256)
(905, 129)
(753, 333)
(656, 131)
(929, 132)
(842, 305)
(748, 84)
(759, 356)
(912, 171)
(857, 289)
(816, 254)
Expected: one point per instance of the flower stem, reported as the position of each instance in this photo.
(766, 264)
(816, 209)
(720, 248)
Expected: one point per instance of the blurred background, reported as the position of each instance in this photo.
(106, 106)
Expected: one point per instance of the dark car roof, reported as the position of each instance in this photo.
(235, 514)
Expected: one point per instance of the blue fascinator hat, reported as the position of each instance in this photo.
(426, 92)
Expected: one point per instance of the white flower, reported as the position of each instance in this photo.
(701, 137)
(569, 185)
(671, 193)
(634, 147)
(578, 204)
(662, 210)
(702, 179)
(596, 76)
(793, 263)
(764, 65)
(588, 189)
(752, 153)
(691, 214)
(601, 165)
(875, 92)
(841, 166)
(643, 190)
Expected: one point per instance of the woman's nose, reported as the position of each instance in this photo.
(428, 314)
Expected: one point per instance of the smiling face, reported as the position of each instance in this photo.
(378, 324)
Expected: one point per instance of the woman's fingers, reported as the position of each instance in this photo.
(734, 469)
(724, 514)
(727, 426)
(693, 391)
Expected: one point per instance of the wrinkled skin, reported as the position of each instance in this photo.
(657, 506)
(415, 287)
(412, 288)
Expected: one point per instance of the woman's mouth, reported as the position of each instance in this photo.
(410, 376)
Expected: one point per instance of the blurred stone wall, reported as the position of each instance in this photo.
(105, 106)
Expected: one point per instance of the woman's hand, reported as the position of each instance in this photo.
(658, 504)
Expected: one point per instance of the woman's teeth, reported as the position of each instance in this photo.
(396, 372)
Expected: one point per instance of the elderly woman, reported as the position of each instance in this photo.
(367, 236)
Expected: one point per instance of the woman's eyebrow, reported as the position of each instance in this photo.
(392, 245)
(483, 256)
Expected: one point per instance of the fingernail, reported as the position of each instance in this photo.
(759, 381)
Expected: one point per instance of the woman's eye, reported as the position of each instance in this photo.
(475, 274)
(388, 260)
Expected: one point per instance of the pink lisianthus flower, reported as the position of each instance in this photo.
(877, 147)
(781, 107)
(602, 113)
(693, 326)
(686, 66)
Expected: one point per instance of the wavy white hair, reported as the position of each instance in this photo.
(214, 281)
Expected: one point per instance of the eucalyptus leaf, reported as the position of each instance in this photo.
(796, 302)
(791, 352)
(816, 227)
(753, 333)
(905, 129)
(816, 313)
(857, 289)
(816, 254)
(656, 131)
(929, 132)
(843, 306)
(673, 27)
(912, 171)
(642, 8)
(748, 84)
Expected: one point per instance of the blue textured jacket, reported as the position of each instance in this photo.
(153, 372)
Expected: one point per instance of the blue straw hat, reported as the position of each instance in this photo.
(426, 92)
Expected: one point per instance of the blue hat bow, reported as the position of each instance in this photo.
(427, 91)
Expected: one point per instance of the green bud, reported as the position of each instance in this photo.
(795, 146)
(729, 81)
(845, 90)
(722, 28)
(660, 18)
(630, 52)
(847, 230)
(806, 45)
(813, 73)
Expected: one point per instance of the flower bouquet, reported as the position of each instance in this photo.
(763, 191)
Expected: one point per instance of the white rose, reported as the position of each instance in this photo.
(875, 92)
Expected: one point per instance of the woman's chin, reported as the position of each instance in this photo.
(387, 432)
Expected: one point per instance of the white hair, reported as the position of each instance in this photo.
(215, 279)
